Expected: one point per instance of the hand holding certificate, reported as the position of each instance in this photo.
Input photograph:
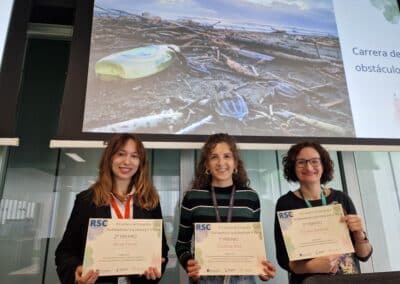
(229, 248)
(123, 246)
(314, 232)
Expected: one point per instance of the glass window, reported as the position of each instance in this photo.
(395, 163)
(77, 170)
(378, 177)
(166, 178)
(37, 199)
(26, 210)
(29, 182)
(263, 172)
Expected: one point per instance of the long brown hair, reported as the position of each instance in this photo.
(145, 193)
(202, 180)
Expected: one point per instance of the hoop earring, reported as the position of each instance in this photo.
(235, 171)
(207, 172)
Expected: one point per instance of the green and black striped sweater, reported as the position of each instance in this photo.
(197, 207)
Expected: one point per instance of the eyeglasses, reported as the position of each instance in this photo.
(314, 162)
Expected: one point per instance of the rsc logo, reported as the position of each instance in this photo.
(203, 227)
(285, 214)
(98, 223)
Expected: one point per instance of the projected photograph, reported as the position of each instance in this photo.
(246, 67)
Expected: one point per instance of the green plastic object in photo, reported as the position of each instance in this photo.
(138, 62)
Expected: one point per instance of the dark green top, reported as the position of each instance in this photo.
(197, 207)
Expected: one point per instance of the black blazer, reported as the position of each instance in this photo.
(69, 253)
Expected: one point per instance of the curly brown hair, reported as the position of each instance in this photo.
(202, 180)
(289, 161)
(145, 193)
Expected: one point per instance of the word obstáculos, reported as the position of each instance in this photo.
(378, 69)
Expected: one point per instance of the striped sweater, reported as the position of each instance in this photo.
(197, 207)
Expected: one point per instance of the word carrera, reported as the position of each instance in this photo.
(373, 52)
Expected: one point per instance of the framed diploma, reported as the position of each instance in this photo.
(314, 232)
(123, 246)
(229, 248)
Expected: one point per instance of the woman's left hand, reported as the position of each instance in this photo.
(354, 224)
(268, 269)
(152, 273)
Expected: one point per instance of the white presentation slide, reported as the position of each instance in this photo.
(5, 15)
(369, 33)
(320, 68)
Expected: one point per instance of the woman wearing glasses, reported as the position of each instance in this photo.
(309, 164)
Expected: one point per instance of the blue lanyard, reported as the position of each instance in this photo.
(308, 203)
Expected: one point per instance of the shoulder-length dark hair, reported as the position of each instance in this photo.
(202, 180)
(289, 161)
(145, 195)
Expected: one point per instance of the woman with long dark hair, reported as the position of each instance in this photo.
(123, 190)
(220, 193)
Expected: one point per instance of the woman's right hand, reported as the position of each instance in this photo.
(193, 269)
(325, 264)
(89, 278)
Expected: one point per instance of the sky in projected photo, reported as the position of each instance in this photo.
(303, 14)
(254, 68)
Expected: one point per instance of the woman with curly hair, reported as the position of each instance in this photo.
(220, 193)
(310, 165)
(122, 190)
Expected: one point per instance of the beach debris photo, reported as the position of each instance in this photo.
(255, 68)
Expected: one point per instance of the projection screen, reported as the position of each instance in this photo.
(253, 68)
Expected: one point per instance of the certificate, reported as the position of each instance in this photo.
(123, 246)
(314, 232)
(229, 248)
